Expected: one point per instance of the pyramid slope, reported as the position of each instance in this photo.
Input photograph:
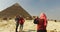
(14, 10)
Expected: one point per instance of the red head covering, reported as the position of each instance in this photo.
(43, 16)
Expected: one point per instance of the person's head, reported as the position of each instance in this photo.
(43, 16)
(17, 16)
(20, 15)
(37, 17)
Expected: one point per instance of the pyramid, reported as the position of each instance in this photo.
(16, 4)
(14, 10)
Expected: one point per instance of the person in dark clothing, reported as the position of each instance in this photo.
(17, 22)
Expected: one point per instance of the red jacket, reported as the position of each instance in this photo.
(42, 24)
(21, 21)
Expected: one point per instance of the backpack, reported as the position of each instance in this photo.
(36, 21)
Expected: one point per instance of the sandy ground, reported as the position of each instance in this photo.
(29, 26)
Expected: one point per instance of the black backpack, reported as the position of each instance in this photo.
(36, 21)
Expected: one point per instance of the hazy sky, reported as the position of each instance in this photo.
(50, 7)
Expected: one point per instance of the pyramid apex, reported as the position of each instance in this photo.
(16, 4)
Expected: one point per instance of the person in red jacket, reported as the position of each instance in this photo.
(41, 26)
(21, 22)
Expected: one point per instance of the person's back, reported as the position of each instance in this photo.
(21, 21)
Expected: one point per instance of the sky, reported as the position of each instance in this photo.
(35, 7)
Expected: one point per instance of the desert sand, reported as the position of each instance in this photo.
(29, 26)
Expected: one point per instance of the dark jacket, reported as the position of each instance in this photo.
(17, 18)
